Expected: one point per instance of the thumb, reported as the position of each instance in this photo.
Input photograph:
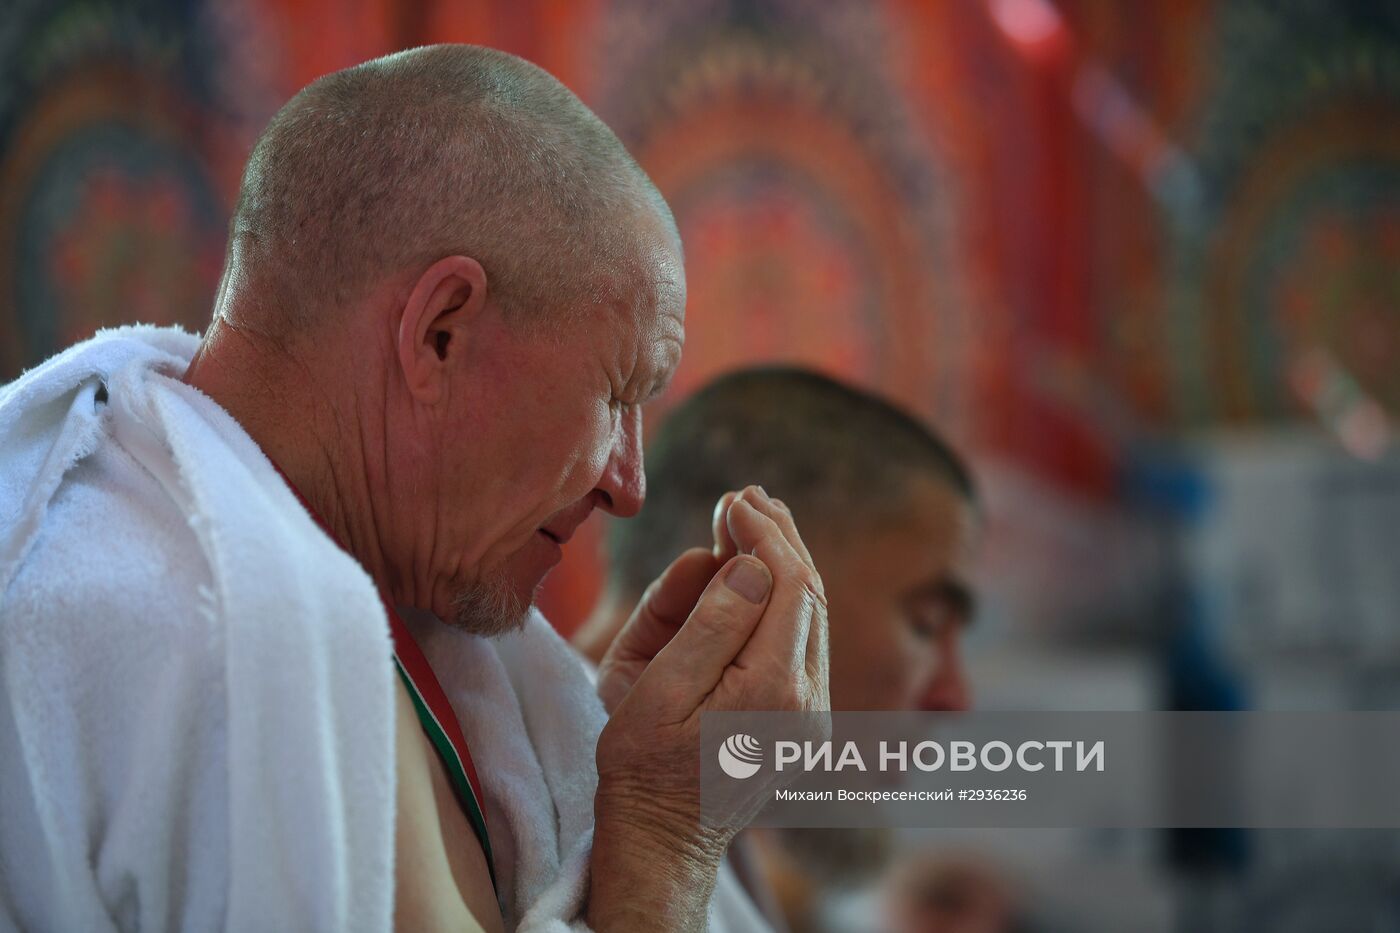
(658, 615)
(724, 617)
(664, 606)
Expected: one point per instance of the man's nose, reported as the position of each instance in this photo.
(624, 482)
(947, 690)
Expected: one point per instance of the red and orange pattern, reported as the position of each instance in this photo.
(1055, 227)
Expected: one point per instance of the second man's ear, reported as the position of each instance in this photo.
(436, 316)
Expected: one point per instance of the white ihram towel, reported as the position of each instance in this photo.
(537, 746)
(196, 708)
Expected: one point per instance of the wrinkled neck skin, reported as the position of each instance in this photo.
(321, 417)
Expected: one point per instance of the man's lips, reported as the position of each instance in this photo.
(563, 527)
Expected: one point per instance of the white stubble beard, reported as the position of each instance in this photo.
(489, 608)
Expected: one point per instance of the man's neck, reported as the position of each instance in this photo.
(282, 404)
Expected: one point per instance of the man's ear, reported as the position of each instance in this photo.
(442, 304)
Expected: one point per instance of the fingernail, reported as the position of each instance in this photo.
(750, 579)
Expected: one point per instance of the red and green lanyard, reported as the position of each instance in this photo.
(440, 723)
(434, 711)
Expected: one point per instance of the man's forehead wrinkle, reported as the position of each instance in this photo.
(666, 359)
(675, 310)
(669, 306)
(668, 353)
(671, 323)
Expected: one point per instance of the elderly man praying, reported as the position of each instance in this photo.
(267, 654)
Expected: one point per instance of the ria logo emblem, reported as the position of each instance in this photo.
(740, 756)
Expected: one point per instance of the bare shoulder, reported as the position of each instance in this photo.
(441, 880)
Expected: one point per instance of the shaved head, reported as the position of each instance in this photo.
(448, 292)
(379, 170)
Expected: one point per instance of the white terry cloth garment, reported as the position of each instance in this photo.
(196, 710)
(540, 747)
(534, 756)
(196, 707)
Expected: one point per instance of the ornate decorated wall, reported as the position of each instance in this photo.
(1060, 231)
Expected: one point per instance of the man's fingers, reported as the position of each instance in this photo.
(755, 532)
(728, 611)
(664, 606)
(724, 542)
(660, 612)
(764, 610)
(783, 636)
(816, 652)
(782, 517)
(675, 593)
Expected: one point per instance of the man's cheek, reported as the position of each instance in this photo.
(593, 461)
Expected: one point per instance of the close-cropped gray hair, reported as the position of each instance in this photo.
(431, 152)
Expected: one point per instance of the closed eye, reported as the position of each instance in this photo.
(933, 608)
(658, 389)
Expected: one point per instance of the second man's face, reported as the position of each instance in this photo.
(899, 597)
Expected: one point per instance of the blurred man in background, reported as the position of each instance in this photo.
(889, 514)
(888, 510)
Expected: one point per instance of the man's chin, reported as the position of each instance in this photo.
(501, 599)
(491, 608)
